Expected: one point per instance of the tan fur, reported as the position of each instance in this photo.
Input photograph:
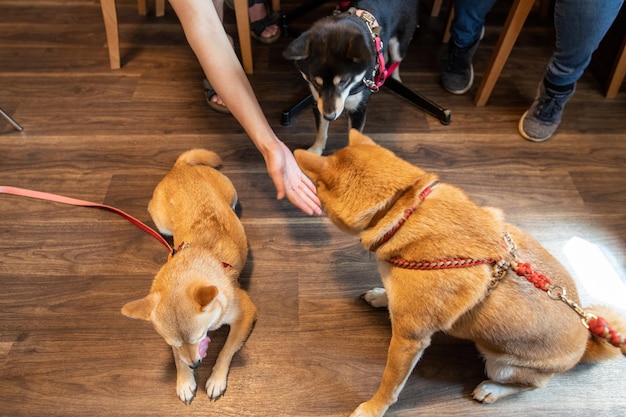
(523, 335)
(197, 290)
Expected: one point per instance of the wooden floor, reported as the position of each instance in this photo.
(317, 349)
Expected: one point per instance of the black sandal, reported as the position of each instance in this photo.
(257, 28)
(209, 92)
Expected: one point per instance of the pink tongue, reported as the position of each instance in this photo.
(204, 346)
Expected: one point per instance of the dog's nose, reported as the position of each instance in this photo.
(195, 364)
(331, 116)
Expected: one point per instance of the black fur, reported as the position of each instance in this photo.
(337, 53)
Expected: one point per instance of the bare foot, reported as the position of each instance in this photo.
(258, 12)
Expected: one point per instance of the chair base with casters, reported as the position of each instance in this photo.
(421, 102)
(10, 121)
(393, 85)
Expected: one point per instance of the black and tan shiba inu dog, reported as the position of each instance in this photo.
(347, 56)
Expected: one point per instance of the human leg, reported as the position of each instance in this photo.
(213, 100)
(580, 26)
(468, 22)
(466, 31)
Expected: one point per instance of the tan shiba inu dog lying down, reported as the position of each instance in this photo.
(197, 290)
(447, 265)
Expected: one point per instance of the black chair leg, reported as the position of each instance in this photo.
(285, 117)
(419, 100)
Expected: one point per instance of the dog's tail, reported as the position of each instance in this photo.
(599, 348)
(200, 157)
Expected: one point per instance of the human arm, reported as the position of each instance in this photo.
(207, 38)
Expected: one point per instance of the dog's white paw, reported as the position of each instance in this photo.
(215, 385)
(376, 297)
(490, 391)
(186, 390)
(364, 410)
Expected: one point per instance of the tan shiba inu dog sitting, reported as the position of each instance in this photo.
(448, 265)
(197, 290)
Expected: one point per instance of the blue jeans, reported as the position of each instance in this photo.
(580, 26)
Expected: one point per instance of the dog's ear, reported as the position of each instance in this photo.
(312, 164)
(357, 138)
(142, 308)
(298, 49)
(204, 295)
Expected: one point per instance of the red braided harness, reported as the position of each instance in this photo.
(597, 326)
(407, 213)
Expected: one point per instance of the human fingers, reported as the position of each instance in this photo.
(305, 200)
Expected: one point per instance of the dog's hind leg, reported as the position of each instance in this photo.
(490, 391)
(508, 379)
(405, 350)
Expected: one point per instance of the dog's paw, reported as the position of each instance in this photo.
(215, 386)
(490, 391)
(365, 410)
(376, 297)
(186, 390)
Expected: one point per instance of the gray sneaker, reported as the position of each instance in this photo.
(542, 119)
(458, 74)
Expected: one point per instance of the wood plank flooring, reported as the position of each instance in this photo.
(317, 349)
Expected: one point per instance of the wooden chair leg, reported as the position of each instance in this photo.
(513, 26)
(275, 5)
(617, 74)
(142, 7)
(159, 5)
(434, 12)
(109, 13)
(159, 8)
(243, 30)
(446, 31)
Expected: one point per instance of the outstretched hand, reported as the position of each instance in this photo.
(290, 181)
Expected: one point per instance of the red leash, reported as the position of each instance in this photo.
(596, 325)
(75, 202)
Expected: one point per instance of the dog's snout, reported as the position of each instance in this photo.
(196, 364)
(331, 116)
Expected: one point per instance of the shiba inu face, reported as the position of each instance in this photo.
(332, 93)
(183, 318)
(333, 57)
(348, 178)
